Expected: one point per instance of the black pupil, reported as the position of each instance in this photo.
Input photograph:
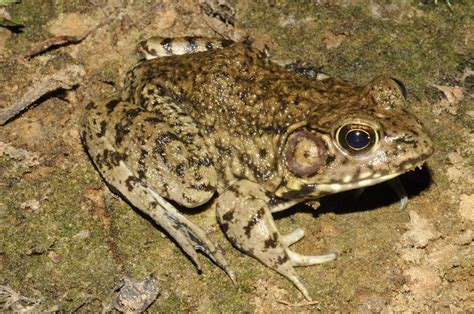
(357, 139)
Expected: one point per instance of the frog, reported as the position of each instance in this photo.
(209, 121)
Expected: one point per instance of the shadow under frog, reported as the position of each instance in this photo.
(201, 117)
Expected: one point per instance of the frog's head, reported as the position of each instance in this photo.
(362, 139)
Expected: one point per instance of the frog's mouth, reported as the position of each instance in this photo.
(331, 188)
(305, 191)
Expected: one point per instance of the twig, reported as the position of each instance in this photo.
(12, 300)
(305, 303)
(49, 43)
(64, 79)
(53, 42)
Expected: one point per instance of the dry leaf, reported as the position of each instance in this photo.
(454, 94)
(333, 41)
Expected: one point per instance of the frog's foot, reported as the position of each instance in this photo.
(245, 217)
(310, 71)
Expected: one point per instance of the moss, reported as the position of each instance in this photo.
(83, 265)
(419, 42)
(412, 48)
(34, 16)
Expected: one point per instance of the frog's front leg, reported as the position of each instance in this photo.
(244, 212)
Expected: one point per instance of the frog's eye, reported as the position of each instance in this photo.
(304, 153)
(356, 138)
(402, 87)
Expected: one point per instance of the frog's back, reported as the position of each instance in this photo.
(235, 88)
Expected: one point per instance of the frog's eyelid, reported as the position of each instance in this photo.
(402, 87)
(318, 130)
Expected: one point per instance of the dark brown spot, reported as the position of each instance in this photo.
(297, 194)
(330, 158)
(188, 198)
(102, 129)
(165, 138)
(243, 95)
(273, 130)
(91, 105)
(179, 170)
(120, 131)
(205, 161)
(281, 260)
(110, 158)
(191, 43)
(209, 129)
(225, 227)
(255, 220)
(141, 164)
(226, 43)
(154, 120)
(166, 43)
(130, 181)
(224, 150)
(160, 90)
(132, 113)
(272, 241)
(273, 201)
(233, 189)
(111, 105)
(228, 216)
(202, 187)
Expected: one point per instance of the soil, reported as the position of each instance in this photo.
(67, 242)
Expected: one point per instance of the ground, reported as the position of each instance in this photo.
(67, 242)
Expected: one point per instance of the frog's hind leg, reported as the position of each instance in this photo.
(113, 161)
(156, 47)
(245, 217)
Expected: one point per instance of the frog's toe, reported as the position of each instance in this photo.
(396, 185)
(304, 260)
(293, 237)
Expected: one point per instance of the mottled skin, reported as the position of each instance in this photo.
(227, 120)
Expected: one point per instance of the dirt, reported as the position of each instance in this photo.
(67, 242)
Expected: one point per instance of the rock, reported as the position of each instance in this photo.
(421, 232)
